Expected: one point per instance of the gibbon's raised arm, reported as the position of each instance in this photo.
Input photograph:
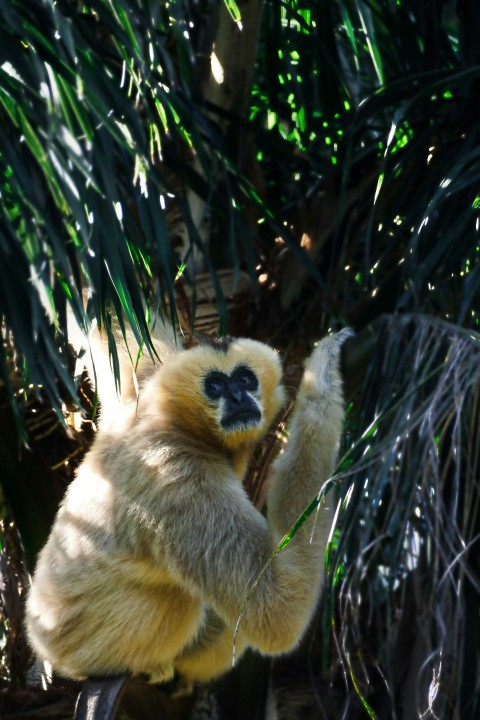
(156, 543)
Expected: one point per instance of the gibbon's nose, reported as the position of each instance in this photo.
(236, 393)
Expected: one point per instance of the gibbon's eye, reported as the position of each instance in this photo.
(246, 378)
(214, 385)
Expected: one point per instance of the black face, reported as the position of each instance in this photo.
(239, 407)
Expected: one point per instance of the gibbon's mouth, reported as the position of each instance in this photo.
(241, 419)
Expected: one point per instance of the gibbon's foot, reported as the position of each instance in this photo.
(181, 687)
(174, 686)
(177, 686)
(162, 676)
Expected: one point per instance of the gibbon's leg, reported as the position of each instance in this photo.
(212, 652)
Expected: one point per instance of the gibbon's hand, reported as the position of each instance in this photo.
(324, 362)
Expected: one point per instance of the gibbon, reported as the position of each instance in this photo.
(156, 542)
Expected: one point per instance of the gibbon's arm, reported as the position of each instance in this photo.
(216, 542)
(314, 435)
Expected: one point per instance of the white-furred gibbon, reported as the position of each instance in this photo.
(156, 542)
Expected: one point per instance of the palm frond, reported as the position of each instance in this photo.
(406, 566)
(98, 121)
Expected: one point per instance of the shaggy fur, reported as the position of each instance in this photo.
(156, 542)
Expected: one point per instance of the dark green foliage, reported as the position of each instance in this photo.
(383, 172)
(384, 179)
(95, 109)
(410, 524)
